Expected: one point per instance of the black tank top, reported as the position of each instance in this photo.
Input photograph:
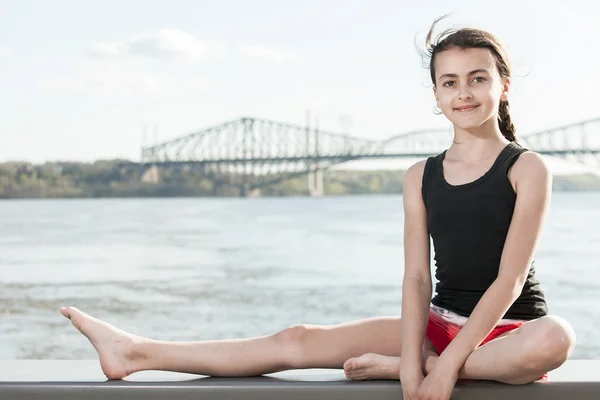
(468, 224)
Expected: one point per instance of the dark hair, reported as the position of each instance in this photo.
(473, 38)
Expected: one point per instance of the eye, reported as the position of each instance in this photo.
(480, 79)
(447, 83)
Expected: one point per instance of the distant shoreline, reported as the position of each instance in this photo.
(176, 197)
(104, 179)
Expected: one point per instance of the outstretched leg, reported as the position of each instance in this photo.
(303, 346)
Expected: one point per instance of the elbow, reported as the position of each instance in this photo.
(422, 284)
(512, 285)
(419, 279)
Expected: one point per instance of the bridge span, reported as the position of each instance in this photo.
(254, 153)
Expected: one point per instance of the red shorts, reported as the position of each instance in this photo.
(441, 332)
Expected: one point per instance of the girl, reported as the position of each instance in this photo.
(483, 201)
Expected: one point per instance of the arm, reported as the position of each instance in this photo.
(533, 185)
(416, 286)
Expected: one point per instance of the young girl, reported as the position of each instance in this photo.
(483, 201)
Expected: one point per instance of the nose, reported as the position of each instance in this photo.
(464, 93)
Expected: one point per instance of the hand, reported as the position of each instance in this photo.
(438, 385)
(411, 380)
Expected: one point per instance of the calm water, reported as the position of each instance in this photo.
(195, 269)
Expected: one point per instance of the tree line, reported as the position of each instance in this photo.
(106, 179)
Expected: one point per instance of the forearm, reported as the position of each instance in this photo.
(416, 295)
(489, 311)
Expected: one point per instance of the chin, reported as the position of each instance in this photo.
(467, 126)
(469, 122)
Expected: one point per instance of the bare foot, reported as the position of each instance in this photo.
(372, 366)
(114, 346)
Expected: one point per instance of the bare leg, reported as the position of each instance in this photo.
(517, 357)
(523, 355)
(302, 346)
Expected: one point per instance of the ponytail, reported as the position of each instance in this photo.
(506, 126)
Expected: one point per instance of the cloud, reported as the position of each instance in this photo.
(110, 68)
(5, 51)
(165, 44)
(107, 50)
(269, 54)
(115, 79)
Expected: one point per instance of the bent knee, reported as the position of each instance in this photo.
(551, 345)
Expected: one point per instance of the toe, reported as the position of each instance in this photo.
(66, 312)
(349, 365)
(74, 313)
(357, 375)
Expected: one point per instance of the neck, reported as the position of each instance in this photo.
(477, 143)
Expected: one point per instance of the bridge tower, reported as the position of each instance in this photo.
(315, 183)
(150, 174)
(315, 174)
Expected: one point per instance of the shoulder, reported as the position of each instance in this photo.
(414, 174)
(531, 164)
(531, 169)
(413, 196)
(416, 170)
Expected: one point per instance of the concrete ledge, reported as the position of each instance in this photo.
(58, 379)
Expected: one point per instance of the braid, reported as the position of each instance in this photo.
(506, 126)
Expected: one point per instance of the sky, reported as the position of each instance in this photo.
(80, 78)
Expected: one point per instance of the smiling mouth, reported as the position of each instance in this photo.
(466, 108)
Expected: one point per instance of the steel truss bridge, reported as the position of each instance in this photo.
(254, 153)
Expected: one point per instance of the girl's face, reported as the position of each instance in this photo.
(468, 86)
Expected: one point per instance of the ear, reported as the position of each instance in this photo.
(505, 89)
(437, 100)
